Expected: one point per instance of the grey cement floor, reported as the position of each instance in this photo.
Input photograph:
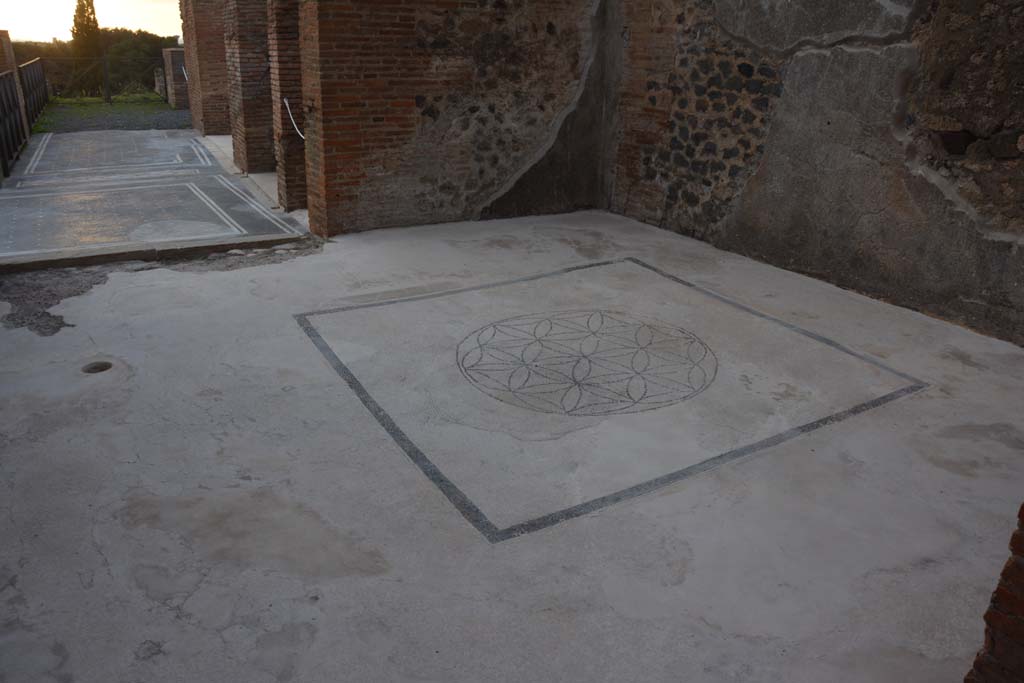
(78, 191)
(501, 452)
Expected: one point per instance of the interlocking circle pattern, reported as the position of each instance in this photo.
(587, 363)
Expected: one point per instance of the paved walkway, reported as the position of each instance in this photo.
(74, 192)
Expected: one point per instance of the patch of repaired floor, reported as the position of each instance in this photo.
(78, 191)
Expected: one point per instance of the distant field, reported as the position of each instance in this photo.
(127, 112)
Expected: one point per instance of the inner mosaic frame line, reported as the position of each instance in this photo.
(473, 514)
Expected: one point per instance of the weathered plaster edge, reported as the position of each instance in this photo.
(593, 50)
(854, 39)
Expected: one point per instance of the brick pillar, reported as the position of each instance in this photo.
(8, 62)
(174, 72)
(252, 124)
(286, 81)
(203, 26)
(1002, 659)
(360, 69)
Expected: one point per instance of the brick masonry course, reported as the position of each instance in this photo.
(428, 111)
(205, 61)
(248, 67)
(286, 82)
(174, 78)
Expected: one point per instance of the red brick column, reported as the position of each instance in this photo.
(252, 127)
(359, 75)
(203, 26)
(174, 74)
(286, 82)
(1002, 659)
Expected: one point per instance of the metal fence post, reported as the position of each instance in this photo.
(106, 79)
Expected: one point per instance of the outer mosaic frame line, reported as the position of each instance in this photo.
(475, 516)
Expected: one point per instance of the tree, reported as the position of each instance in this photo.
(133, 55)
(85, 32)
(87, 44)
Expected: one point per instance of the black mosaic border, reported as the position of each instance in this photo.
(469, 509)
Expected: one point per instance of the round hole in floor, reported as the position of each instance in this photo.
(97, 367)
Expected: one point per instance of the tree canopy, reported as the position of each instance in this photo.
(85, 31)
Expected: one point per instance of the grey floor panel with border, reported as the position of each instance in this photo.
(125, 188)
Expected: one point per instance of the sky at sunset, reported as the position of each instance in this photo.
(46, 19)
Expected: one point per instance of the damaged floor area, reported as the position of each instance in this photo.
(570, 448)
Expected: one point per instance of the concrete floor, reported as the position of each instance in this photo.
(369, 464)
(73, 192)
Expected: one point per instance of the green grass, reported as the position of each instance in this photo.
(65, 113)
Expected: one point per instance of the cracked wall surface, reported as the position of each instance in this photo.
(884, 154)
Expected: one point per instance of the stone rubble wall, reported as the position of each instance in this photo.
(874, 145)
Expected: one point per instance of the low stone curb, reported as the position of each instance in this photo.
(140, 252)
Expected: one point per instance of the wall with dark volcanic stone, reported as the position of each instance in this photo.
(878, 144)
(694, 112)
(429, 111)
(873, 144)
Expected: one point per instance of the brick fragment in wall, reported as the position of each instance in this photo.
(203, 31)
(429, 111)
(1001, 660)
(248, 69)
(695, 110)
(286, 82)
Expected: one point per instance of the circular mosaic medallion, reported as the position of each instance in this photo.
(587, 363)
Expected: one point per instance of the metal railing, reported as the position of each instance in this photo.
(13, 134)
(33, 84)
(16, 115)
